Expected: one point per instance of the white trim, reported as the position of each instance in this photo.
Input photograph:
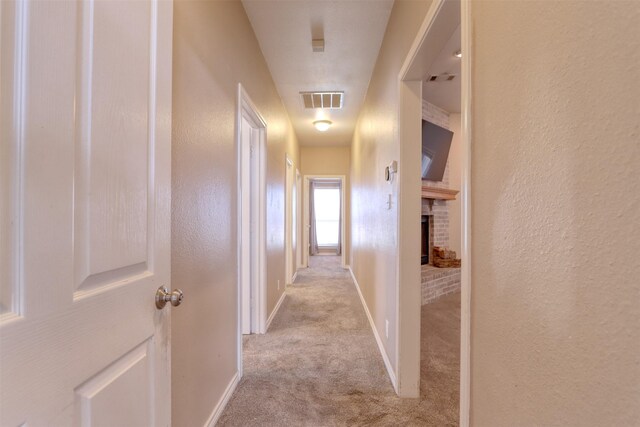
(246, 108)
(305, 223)
(299, 242)
(383, 351)
(275, 310)
(421, 37)
(222, 403)
(305, 217)
(408, 271)
(295, 276)
(466, 125)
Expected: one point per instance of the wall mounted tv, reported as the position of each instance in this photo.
(436, 142)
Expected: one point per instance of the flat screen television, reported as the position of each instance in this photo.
(436, 142)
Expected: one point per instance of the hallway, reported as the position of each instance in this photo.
(318, 365)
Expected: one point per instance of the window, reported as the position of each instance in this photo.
(327, 216)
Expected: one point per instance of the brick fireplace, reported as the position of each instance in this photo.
(425, 244)
(435, 216)
(436, 282)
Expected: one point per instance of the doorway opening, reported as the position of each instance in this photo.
(324, 210)
(435, 94)
(251, 149)
(325, 218)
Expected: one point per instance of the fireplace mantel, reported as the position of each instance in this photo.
(434, 193)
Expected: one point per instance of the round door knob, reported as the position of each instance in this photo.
(163, 296)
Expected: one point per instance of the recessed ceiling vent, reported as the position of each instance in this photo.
(331, 100)
(441, 77)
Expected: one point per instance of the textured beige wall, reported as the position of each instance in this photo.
(455, 183)
(556, 206)
(375, 145)
(214, 50)
(331, 161)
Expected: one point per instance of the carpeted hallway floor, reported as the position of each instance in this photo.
(319, 365)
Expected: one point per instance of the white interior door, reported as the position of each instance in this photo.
(289, 222)
(294, 225)
(298, 228)
(85, 212)
(247, 218)
(252, 147)
(306, 224)
(255, 229)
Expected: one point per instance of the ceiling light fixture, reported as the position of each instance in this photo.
(322, 125)
(457, 54)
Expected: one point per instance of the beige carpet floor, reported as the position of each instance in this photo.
(319, 365)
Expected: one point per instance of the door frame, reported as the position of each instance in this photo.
(305, 215)
(291, 264)
(408, 308)
(247, 109)
(300, 222)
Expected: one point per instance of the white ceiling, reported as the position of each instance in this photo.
(445, 94)
(353, 32)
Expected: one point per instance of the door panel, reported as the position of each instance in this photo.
(112, 161)
(120, 394)
(86, 100)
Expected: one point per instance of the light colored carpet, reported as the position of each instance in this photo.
(319, 365)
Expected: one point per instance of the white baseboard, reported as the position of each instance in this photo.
(293, 279)
(275, 311)
(383, 352)
(222, 403)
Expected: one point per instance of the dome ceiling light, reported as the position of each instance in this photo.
(322, 125)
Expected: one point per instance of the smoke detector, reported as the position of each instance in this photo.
(317, 45)
(327, 100)
(441, 77)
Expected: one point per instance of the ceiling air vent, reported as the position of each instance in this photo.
(441, 77)
(322, 99)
